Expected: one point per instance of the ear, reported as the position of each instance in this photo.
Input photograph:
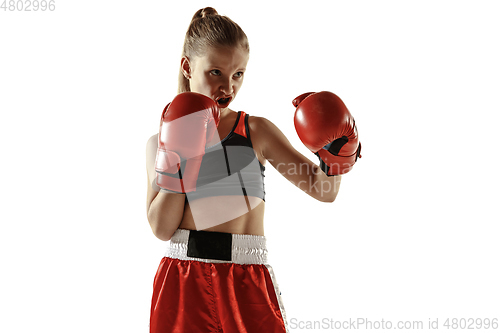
(186, 67)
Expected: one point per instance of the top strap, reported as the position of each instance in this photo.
(242, 126)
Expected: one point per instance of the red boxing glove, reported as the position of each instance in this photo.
(187, 124)
(327, 128)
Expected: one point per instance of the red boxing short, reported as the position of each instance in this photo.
(216, 282)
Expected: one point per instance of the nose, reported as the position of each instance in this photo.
(227, 87)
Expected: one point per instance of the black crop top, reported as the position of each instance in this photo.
(231, 167)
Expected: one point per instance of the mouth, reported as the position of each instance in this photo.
(223, 102)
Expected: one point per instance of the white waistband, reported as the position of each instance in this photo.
(246, 249)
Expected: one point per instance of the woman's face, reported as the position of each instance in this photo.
(218, 74)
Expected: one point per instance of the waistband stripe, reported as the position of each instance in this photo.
(217, 247)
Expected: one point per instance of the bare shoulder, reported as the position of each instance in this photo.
(257, 127)
(151, 148)
(261, 127)
(256, 122)
(152, 142)
(265, 136)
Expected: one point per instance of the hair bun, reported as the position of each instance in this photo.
(204, 12)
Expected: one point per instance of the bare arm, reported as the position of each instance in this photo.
(275, 147)
(165, 210)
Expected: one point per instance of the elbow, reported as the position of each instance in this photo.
(329, 189)
(329, 198)
(332, 196)
(324, 196)
(159, 230)
(162, 235)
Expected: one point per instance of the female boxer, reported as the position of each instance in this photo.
(206, 191)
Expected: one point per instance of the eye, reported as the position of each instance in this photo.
(215, 72)
(239, 74)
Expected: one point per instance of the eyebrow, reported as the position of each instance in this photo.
(219, 67)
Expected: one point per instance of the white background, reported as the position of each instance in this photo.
(412, 235)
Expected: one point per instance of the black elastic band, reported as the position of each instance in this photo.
(210, 245)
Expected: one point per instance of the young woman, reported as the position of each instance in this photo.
(215, 276)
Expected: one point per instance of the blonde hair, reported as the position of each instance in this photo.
(209, 29)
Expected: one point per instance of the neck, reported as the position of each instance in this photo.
(224, 112)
